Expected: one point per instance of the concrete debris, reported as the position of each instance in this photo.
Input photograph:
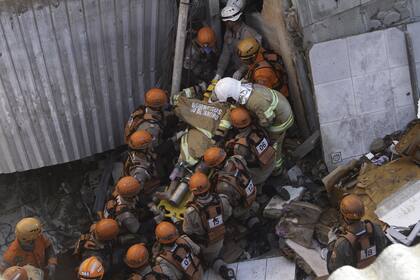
(391, 18)
(295, 175)
(307, 146)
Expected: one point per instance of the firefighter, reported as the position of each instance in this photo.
(15, 273)
(204, 223)
(264, 67)
(137, 259)
(30, 247)
(236, 30)
(361, 240)
(98, 242)
(253, 144)
(177, 255)
(271, 108)
(231, 178)
(91, 269)
(200, 59)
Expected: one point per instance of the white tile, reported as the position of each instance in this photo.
(329, 61)
(401, 86)
(405, 115)
(414, 30)
(335, 100)
(251, 270)
(367, 53)
(397, 52)
(373, 92)
(377, 125)
(280, 268)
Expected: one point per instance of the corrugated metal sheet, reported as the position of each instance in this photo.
(71, 71)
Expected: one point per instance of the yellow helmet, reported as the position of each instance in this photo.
(247, 50)
(28, 229)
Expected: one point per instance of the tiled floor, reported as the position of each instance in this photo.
(264, 269)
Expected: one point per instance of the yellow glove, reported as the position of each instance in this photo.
(210, 89)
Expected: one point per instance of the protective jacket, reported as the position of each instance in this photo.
(141, 165)
(148, 273)
(234, 181)
(358, 246)
(40, 256)
(124, 211)
(181, 260)
(202, 66)
(145, 118)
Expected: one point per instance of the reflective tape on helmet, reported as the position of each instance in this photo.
(270, 111)
(225, 124)
(283, 127)
(184, 148)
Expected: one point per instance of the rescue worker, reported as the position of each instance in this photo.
(200, 59)
(231, 178)
(178, 255)
(271, 108)
(15, 273)
(264, 67)
(91, 269)
(30, 247)
(137, 259)
(253, 144)
(236, 30)
(204, 223)
(98, 242)
(361, 240)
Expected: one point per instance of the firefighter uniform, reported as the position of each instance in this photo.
(204, 222)
(145, 118)
(180, 260)
(148, 273)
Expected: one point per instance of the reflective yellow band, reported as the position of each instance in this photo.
(225, 124)
(184, 148)
(270, 111)
(205, 132)
(279, 162)
(283, 127)
(188, 92)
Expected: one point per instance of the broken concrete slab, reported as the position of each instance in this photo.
(307, 146)
(311, 256)
(295, 174)
(274, 209)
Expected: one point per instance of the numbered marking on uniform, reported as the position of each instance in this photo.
(249, 188)
(367, 253)
(186, 262)
(262, 146)
(216, 221)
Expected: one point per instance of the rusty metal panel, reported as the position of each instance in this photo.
(71, 71)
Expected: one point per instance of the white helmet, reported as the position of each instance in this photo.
(238, 3)
(227, 87)
(231, 13)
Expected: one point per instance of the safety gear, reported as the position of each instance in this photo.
(106, 229)
(28, 229)
(227, 87)
(240, 117)
(15, 273)
(238, 3)
(142, 114)
(352, 208)
(210, 89)
(199, 183)
(206, 37)
(211, 215)
(166, 233)
(247, 49)
(137, 256)
(214, 156)
(181, 256)
(128, 187)
(91, 269)
(231, 13)
(140, 140)
(156, 98)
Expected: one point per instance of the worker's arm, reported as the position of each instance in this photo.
(225, 55)
(340, 253)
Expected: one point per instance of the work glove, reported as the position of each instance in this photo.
(211, 87)
(237, 75)
(51, 271)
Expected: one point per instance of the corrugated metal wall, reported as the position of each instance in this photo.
(71, 71)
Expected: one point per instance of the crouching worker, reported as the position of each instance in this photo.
(204, 222)
(137, 259)
(361, 241)
(30, 247)
(178, 255)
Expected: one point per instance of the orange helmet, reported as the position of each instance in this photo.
(206, 37)
(140, 140)
(352, 207)
(91, 269)
(166, 233)
(15, 273)
(240, 117)
(128, 186)
(199, 183)
(214, 156)
(156, 98)
(106, 229)
(137, 256)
